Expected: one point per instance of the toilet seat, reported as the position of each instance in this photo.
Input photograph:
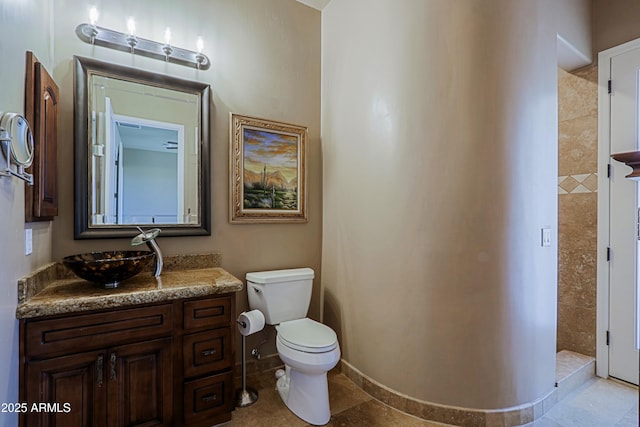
(307, 335)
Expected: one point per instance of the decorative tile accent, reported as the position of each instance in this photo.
(581, 183)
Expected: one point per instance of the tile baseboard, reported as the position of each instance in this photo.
(452, 415)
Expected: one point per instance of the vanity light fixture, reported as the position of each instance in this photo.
(100, 36)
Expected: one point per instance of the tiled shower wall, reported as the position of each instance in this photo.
(577, 209)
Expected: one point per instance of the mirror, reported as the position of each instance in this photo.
(21, 138)
(141, 152)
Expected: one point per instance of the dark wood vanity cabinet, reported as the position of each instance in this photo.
(165, 364)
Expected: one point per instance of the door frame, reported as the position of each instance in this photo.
(604, 159)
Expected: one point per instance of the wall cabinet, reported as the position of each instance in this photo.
(165, 364)
(42, 111)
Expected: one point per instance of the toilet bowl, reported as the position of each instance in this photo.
(308, 348)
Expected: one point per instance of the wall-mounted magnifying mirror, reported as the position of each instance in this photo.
(142, 152)
(21, 138)
(16, 145)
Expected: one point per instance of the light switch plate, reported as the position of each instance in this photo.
(28, 241)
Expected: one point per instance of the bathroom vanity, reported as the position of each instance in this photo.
(155, 351)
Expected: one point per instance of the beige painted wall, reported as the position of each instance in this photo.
(614, 22)
(266, 63)
(15, 17)
(440, 166)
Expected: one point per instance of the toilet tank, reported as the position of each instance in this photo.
(280, 295)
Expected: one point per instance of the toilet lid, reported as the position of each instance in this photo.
(307, 335)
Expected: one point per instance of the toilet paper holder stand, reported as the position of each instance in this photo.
(245, 396)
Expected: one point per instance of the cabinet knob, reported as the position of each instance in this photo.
(209, 352)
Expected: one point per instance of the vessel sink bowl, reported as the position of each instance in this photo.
(108, 268)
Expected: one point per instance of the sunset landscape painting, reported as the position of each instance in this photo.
(268, 171)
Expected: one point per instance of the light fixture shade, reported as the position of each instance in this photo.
(131, 26)
(199, 44)
(93, 15)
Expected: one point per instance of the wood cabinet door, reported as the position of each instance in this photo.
(67, 391)
(42, 103)
(140, 384)
(45, 203)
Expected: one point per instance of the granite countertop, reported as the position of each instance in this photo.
(54, 290)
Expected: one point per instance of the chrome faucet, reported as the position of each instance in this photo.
(149, 237)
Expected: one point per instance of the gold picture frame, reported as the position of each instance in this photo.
(268, 162)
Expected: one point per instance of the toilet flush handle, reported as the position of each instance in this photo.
(256, 290)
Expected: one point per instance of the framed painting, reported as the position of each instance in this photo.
(268, 171)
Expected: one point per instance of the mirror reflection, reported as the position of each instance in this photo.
(142, 151)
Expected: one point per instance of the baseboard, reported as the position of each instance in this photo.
(513, 416)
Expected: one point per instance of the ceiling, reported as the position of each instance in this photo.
(141, 137)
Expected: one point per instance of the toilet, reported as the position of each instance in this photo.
(308, 348)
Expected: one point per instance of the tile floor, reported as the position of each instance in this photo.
(599, 403)
(350, 407)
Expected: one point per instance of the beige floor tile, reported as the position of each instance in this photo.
(268, 411)
(545, 422)
(376, 414)
(631, 419)
(599, 403)
(344, 394)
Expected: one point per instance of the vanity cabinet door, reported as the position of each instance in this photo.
(67, 391)
(45, 202)
(140, 384)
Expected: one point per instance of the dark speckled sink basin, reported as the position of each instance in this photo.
(108, 268)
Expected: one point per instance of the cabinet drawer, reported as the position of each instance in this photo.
(207, 397)
(86, 332)
(207, 313)
(207, 352)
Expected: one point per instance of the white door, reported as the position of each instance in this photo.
(110, 165)
(623, 214)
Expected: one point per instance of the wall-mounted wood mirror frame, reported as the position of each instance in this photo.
(84, 228)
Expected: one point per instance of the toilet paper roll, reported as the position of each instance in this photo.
(250, 322)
